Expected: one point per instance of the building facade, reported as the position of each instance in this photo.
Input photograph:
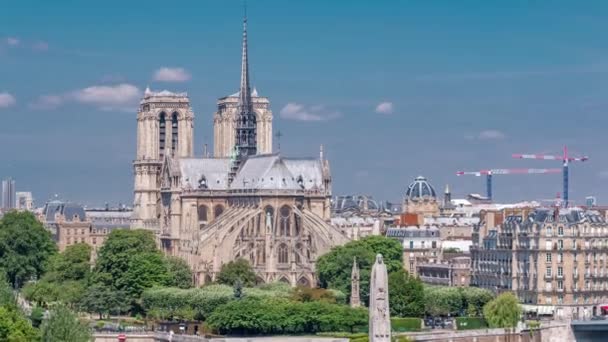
(555, 260)
(8, 194)
(243, 202)
(420, 245)
(24, 201)
(451, 270)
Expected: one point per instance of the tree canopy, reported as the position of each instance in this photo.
(180, 274)
(406, 295)
(66, 278)
(239, 269)
(63, 325)
(503, 312)
(129, 263)
(334, 268)
(25, 247)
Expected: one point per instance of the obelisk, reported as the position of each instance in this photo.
(379, 313)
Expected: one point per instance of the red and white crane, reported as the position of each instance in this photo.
(564, 158)
(490, 172)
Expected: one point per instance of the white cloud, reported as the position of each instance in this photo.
(299, 112)
(12, 41)
(491, 134)
(40, 46)
(603, 174)
(47, 102)
(109, 97)
(166, 74)
(384, 108)
(7, 100)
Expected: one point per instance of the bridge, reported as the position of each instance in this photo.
(589, 331)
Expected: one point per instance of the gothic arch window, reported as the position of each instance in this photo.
(284, 280)
(304, 282)
(283, 254)
(162, 131)
(218, 210)
(285, 221)
(203, 213)
(299, 253)
(174, 132)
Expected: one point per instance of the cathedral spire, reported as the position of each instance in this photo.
(244, 90)
(246, 123)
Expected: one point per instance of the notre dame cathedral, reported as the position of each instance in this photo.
(243, 202)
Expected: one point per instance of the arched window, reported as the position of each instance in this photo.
(303, 282)
(203, 213)
(217, 211)
(174, 133)
(162, 130)
(285, 222)
(283, 254)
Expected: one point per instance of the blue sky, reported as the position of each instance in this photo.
(393, 89)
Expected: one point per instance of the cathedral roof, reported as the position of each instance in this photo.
(214, 170)
(269, 171)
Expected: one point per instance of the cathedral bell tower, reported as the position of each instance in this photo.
(164, 129)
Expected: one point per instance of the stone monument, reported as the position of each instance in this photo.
(379, 313)
(355, 299)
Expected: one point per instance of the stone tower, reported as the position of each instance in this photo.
(379, 312)
(243, 119)
(355, 300)
(164, 128)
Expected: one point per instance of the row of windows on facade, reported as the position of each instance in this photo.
(258, 256)
(595, 286)
(586, 230)
(423, 244)
(82, 240)
(588, 257)
(83, 231)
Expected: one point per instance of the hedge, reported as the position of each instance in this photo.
(469, 323)
(403, 324)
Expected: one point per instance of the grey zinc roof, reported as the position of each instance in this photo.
(265, 172)
(310, 169)
(67, 209)
(274, 172)
(215, 171)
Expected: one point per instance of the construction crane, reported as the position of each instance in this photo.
(491, 172)
(565, 159)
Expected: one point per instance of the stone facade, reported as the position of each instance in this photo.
(420, 244)
(165, 124)
(224, 124)
(244, 202)
(555, 260)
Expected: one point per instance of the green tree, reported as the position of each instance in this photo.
(239, 269)
(145, 270)
(334, 268)
(66, 278)
(14, 327)
(503, 312)
(36, 316)
(128, 263)
(63, 325)
(180, 274)
(25, 247)
(102, 300)
(72, 264)
(406, 295)
(116, 253)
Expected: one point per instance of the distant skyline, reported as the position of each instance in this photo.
(392, 89)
